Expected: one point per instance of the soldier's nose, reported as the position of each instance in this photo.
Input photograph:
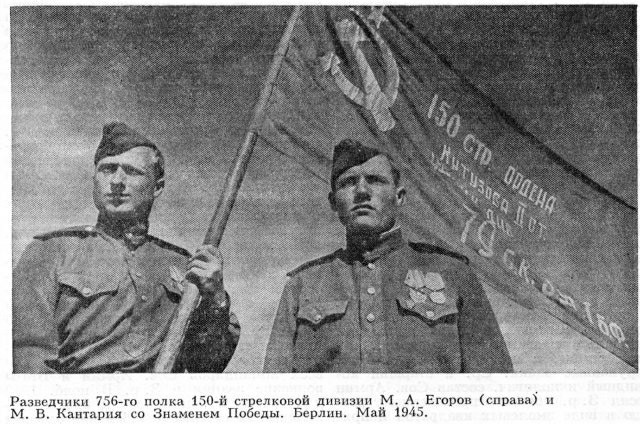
(362, 186)
(362, 191)
(118, 177)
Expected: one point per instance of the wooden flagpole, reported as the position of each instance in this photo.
(191, 296)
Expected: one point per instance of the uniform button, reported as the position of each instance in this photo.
(371, 290)
(371, 317)
(88, 228)
(144, 298)
(317, 317)
(371, 265)
(87, 291)
(430, 314)
(138, 274)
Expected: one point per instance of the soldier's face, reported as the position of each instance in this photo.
(366, 198)
(125, 186)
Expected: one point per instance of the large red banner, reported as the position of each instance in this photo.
(534, 227)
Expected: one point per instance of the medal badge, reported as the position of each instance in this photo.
(433, 281)
(422, 283)
(417, 296)
(414, 279)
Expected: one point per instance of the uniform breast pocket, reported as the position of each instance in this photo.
(318, 313)
(86, 288)
(445, 310)
(321, 336)
(88, 309)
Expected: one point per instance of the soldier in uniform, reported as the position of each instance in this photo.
(98, 299)
(382, 304)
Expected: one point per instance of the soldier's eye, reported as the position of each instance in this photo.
(130, 170)
(107, 168)
(349, 181)
(376, 179)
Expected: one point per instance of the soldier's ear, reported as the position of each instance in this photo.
(332, 201)
(159, 187)
(401, 195)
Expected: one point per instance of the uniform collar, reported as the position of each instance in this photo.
(132, 234)
(370, 249)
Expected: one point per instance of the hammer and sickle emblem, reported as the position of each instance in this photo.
(376, 100)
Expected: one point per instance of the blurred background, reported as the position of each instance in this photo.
(188, 78)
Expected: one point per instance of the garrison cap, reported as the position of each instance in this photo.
(348, 153)
(117, 138)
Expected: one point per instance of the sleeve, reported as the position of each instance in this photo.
(279, 355)
(211, 338)
(482, 345)
(35, 339)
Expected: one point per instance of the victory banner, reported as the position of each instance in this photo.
(533, 226)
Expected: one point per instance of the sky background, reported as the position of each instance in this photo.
(188, 77)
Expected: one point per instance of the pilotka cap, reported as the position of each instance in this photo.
(117, 138)
(348, 153)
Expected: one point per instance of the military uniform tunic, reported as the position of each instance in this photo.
(398, 307)
(85, 302)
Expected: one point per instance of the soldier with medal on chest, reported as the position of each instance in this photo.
(382, 304)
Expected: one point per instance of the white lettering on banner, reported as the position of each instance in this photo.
(484, 236)
(454, 164)
(499, 222)
(440, 111)
(519, 221)
(521, 268)
(477, 188)
(531, 191)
